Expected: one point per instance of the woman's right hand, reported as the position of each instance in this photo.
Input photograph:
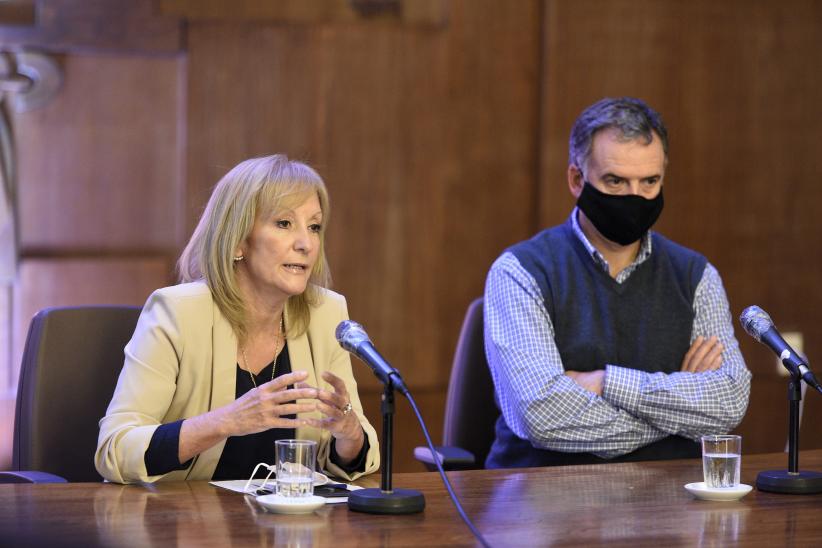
(266, 406)
(258, 409)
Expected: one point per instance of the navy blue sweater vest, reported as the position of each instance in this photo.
(643, 323)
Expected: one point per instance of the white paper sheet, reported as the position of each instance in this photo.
(237, 487)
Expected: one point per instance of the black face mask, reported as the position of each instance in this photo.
(623, 219)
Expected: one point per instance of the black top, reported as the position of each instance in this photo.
(241, 453)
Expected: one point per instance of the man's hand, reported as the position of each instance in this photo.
(704, 355)
(591, 381)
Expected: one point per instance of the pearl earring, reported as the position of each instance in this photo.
(239, 258)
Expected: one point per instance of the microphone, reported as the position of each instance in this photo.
(759, 325)
(386, 499)
(354, 339)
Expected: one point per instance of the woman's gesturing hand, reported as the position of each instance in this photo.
(339, 417)
(267, 405)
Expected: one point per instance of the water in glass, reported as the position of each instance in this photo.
(294, 486)
(721, 469)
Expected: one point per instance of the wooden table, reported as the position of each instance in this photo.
(636, 504)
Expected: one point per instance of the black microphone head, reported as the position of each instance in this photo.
(755, 321)
(351, 335)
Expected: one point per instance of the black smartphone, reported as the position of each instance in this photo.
(331, 491)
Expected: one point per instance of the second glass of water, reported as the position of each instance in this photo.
(295, 467)
(721, 460)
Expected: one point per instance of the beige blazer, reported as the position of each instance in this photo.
(181, 362)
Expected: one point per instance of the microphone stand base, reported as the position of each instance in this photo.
(377, 501)
(781, 481)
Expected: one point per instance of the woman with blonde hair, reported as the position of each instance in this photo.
(242, 352)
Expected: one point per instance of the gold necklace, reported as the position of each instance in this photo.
(280, 339)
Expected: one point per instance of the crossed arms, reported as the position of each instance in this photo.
(616, 410)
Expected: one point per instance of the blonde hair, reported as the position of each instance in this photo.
(251, 188)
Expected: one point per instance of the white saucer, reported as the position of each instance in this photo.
(722, 493)
(285, 505)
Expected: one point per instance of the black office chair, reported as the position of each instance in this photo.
(70, 366)
(470, 412)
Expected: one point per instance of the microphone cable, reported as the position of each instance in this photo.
(444, 477)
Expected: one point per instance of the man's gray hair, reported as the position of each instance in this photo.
(632, 117)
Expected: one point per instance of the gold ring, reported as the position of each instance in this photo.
(347, 409)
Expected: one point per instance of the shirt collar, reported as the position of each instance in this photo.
(641, 257)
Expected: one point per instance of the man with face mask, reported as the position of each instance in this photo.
(608, 342)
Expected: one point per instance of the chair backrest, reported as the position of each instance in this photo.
(70, 366)
(470, 412)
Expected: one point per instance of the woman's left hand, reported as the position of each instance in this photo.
(340, 418)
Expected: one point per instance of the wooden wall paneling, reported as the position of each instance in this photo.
(427, 140)
(417, 12)
(737, 83)
(99, 166)
(17, 12)
(62, 25)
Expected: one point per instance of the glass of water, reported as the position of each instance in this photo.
(295, 467)
(721, 460)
